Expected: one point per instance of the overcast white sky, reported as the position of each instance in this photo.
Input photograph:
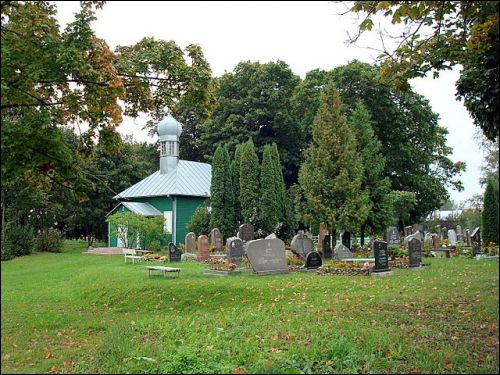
(306, 35)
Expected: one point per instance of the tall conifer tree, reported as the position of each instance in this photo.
(374, 184)
(249, 181)
(221, 193)
(279, 183)
(235, 171)
(268, 191)
(332, 173)
(490, 213)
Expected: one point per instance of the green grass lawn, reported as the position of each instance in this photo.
(72, 312)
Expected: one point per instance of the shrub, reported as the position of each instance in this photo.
(49, 240)
(395, 251)
(18, 241)
(154, 246)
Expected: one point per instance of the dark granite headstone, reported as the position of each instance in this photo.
(415, 250)
(190, 243)
(345, 238)
(475, 238)
(203, 251)
(234, 248)
(174, 254)
(267, 256)
(245, 232)
(327, 248)
(313, 260)
(392, 236)
(381, 256)
(444, 233)
(216, 239)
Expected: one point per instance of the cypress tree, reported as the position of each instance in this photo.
(373, 183)
(249, 181)
(268, 194)
(332, 173)
(279, 183)
(235, 171)
(490, 213)
(221, 193)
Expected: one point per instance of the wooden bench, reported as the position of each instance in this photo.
(163, 269)
(131, 254)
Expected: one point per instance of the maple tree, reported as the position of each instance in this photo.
(437, 35)
(53, 78)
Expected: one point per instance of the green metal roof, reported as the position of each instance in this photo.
(144, 209)
(189, 178)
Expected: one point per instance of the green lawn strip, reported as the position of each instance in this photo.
(71, 312)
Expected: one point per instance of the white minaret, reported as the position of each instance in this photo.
(169, 131)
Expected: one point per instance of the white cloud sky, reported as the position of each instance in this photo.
(306, 35)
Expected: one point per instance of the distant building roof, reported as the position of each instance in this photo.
(141, 208)
(189, 178)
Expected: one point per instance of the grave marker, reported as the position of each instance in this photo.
(203, 250)
(341, 252)
(174, 254)
(415, 250)
(216, 239)
(190, 242)
(267, 256)
(392, 236)
(381, 256)
(313, 260)
(234, 248)
(245, 232)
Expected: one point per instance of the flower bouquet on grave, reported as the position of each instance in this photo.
(231, 267)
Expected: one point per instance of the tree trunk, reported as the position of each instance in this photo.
(362, 235)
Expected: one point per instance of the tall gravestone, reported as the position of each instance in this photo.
(345, 239)
(392, 236)
(203, 250)
(381, 256)
(341, 252)
(327, 248)
(234, 248)
(467, 237)
(313, 260)
(452, 237)
(174, 254)
(267, 256)
(190, 243)
(438, 231)
(475, 238)
(415, 252)
(246, 232)
(216, 239)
